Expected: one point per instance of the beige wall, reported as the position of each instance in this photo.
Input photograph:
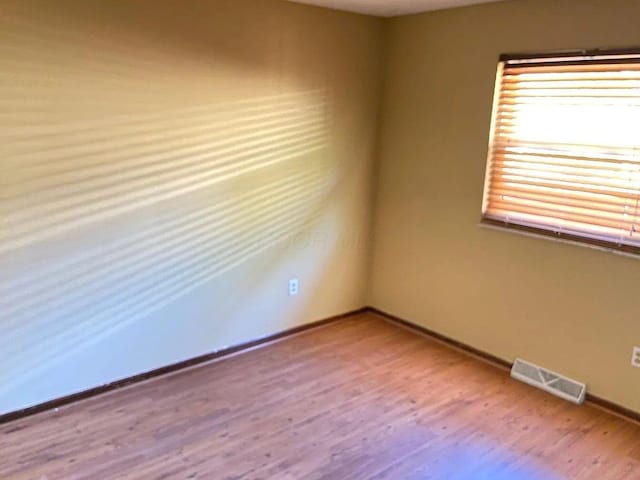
(565, 307)
(166, 167)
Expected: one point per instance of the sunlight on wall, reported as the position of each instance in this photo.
(59, 177)
(136, 167)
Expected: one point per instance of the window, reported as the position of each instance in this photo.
(564, 153)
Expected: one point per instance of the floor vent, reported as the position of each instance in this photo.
(551, 382)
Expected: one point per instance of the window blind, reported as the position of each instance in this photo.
(564, 153)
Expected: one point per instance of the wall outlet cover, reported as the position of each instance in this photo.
(635, 359)
(294, 287)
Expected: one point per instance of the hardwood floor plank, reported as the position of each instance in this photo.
(356, 399)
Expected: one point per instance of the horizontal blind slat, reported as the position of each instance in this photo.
(515, 103)
(560, 217)
(560, 205)
(586, 68)
(578, 83)
(617, 165)
(557, 147)
(501, 182)
(591, 188)
(597, 202)
(600, 178)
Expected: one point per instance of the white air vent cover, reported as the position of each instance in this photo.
(551, 382)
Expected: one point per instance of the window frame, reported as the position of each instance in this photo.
(527, 230)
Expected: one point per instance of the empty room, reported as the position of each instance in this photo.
(319, 239)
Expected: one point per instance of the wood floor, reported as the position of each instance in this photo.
(357, 399)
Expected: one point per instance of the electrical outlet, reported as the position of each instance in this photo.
(294, 287)
(635, 359)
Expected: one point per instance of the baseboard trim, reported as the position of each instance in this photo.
(598, 402)
(450, 342)
(613, 408)
(172, 368)
(595, 401)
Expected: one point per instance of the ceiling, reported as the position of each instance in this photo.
(391, 8)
